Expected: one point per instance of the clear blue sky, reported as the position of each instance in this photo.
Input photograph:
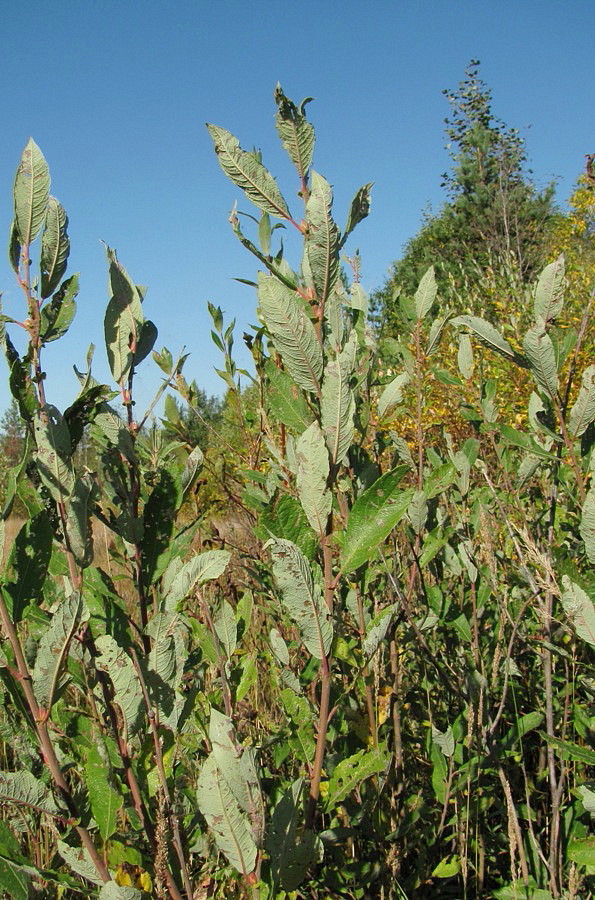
(116, 93)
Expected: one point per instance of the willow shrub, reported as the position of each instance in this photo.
(388, 694)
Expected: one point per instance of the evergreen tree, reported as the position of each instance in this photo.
(494, 218)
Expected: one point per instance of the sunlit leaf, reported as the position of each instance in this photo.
(31, 193)
(248, 173)
(55, 247)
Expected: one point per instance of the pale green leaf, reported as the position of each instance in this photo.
(489, 336)
(248, 173)
(113, 891)
(54, 646)
(105, 800)
(192, 468)
(392, 394)
(302, 597)
(447, 867)
(338, 402)
(359, 209)
(226, 629)
(425, 295)
(541, 355)
(417, 511)
(237, 767)
(80, 862)
(23, 789)
(202, 567)
(579, 608)
(377, 628)
(296, 133)
(230, 826)
(583, 412)
(587, 525)
(31, 193)
(374, 515)
(548, 294)
(322, 244)
(352, 771)
(435, 336)
(279, 647)
(55, 247)
(588, 798)
(123, 321)
(118, 665)
(312, 474)
(445, 740)
(465, 356)
(292, 332)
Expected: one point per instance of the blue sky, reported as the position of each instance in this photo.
(117, 93)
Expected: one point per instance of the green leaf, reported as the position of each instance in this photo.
(579, 608)
(159, 519)
(541, 355)
(299, 712)
(587, 525)
(54, 647)
(15, 880)
(489, 336)
(191, 471)
(124, 318)
(202, 567)
(291, 331)
(230, 826)
(338, 402)
(296, 133)
(54, 465)
(447, 867)
(312, 474)
(115, 661)
(105, 801)
(286, 400)
(57, 315)
(79, 508)
(425, 295)
(14, 248)
(439, 480)
(374, 515)
(248, 173)
(55, 247)
(28, 564)
(148, 334)
(548, 294)
(292, 849)
(583, 412)
(322, 245)
(351, 772)
(520, 439)
(301, 597)
(237, 767)
(358, 211)
(568, 750)
(31, 193)
(248, 676)
(285, 518)
(582, 851)
(392, 394)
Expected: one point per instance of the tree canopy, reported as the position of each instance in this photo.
(494, 216)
